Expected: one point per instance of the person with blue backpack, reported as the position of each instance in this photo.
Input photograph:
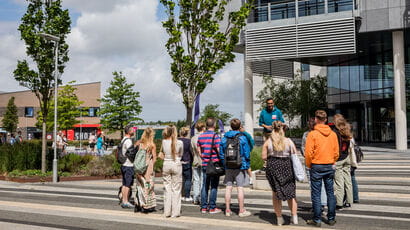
(235, 155)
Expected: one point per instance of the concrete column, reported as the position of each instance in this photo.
(248, 94)
(399, 91)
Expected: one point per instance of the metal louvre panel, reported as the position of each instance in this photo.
(271, 43)
(322, 38)
(277, 68)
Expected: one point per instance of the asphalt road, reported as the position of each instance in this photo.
(384, 182)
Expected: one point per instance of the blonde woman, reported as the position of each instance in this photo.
(279, 172)
(172, 171)
(146, 201)
(343, 179)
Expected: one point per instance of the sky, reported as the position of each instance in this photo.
(120, 35)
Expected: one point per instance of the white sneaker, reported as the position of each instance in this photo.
(182, 198)
(189, 199)
(280, 221)
(294, 219)
(245, 214)
(250, 181)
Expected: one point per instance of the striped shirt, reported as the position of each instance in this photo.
(205, 142)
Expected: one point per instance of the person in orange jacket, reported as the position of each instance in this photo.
(321, 154)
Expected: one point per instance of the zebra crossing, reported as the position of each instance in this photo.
(383, 178)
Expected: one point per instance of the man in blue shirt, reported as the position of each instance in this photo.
(268, 115)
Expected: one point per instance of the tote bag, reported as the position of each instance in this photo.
(298, 169)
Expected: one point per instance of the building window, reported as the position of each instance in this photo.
(305, 71)
(311, 7)
(29, 112)
(340, 5)
(93, 111)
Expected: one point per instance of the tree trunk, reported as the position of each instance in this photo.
(43, 149)
(188, 118)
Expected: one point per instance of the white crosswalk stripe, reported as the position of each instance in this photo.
(384, 184)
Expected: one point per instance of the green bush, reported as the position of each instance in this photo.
(256, 158)
(106, 165)
(23, 156)
(74, 163)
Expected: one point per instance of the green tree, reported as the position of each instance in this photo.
(120, 105)
(213, 111)
(48, 18)
(284, 93)
(295, 97)
(198, 45)
(10, 119)
(68, 109)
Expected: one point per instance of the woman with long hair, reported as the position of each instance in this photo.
(172, 171)
(146, 201)
(343, 181)
(279, 171)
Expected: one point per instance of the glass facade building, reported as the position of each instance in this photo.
(361, 86)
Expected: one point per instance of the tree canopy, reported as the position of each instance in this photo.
(68, 109)
(212, 110)
(198, 45)
(43, 17)
(10, 119)
(120, 105)
(295, 97)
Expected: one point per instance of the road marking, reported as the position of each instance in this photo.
(127, 216)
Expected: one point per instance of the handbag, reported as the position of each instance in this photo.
(298, 169)
(215, 168)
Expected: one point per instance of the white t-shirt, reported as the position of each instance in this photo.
(166, 147)
(126, 144)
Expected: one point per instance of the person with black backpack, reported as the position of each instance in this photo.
(235, 155)
(126, 152)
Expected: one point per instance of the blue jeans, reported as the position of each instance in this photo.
(325, 173)
(197, 183)
(187, 179)
(207, 181)
(100, 152)
(323, 197)
(354, 185)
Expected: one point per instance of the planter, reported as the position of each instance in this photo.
(35, 179)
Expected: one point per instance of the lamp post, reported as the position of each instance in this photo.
(55, 39)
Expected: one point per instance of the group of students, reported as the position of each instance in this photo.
(185, 166)
(327, 150)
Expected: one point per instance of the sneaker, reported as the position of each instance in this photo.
(196, 202)
(294, 219)
(356, 201)
(347, 205)
(189, 199)
(339, 208)
(331, 222)
(313, 223)
(228, 212)
(215, 211)
(244, 214)
(127, 205)
(280, 221)
(204, 210)
(250, 181)
(183, 199)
